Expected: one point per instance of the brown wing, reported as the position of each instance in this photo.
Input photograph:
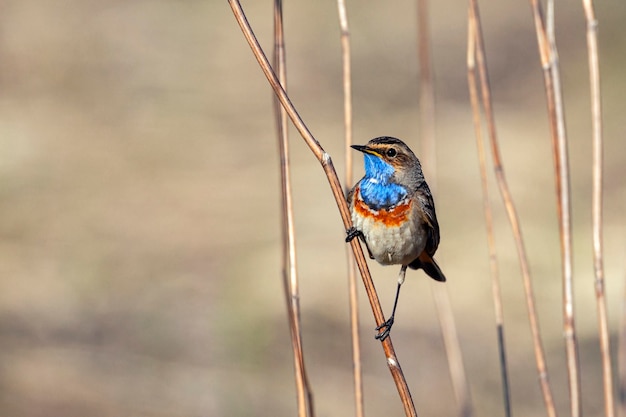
(427, 212)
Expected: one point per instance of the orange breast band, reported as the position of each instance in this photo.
(393, 217)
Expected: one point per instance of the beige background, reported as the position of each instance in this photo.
(139, 229)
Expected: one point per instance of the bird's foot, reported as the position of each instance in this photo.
(383, 334)
(352, 233)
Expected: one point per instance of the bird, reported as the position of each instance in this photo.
(393, 213)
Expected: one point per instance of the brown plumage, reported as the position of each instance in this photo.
(393, 212)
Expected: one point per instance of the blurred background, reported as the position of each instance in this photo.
(139, 213)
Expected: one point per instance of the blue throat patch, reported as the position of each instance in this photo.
(376, 190)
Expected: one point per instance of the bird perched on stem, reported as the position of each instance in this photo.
(394, 214)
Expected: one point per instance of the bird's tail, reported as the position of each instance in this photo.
(428, 264)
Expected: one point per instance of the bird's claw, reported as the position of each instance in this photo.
(383, 334)
(352, 233)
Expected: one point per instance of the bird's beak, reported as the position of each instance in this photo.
(365, 149)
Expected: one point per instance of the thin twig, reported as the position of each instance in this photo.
(290, 272)
(491, 245)
(427, 135)
(552, 80)
(596, 206)
(511, 211)
(335, 186)
(352, 287)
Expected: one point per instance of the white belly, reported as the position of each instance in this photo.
(392, 245)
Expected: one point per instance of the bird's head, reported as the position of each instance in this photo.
(388, 159)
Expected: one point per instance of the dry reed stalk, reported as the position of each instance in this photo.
(427, 136)
(552, 82)
(621, 358)
(335, 186)
(511, 211)
(491, 245)
(596, 206)
(352, 285)
(426, 86)
(290, 271)
(453, 352)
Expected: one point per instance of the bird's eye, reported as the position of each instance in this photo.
(391, 152)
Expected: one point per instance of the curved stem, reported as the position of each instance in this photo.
(540, 357)
(335, 186)
(290, 271)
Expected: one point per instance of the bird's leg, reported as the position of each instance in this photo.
(352, 233)
(383, 334)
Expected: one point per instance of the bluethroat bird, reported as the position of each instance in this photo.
(394, 214)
